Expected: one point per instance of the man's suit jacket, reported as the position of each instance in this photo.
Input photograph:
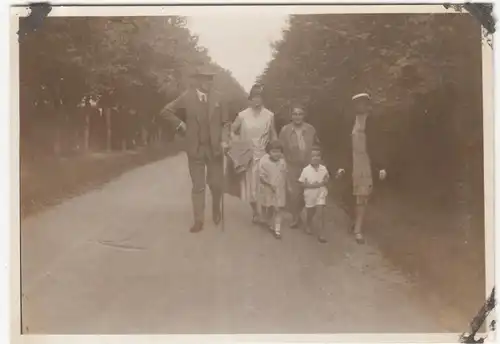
(218, 120)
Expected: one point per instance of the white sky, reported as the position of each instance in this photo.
(239, 42)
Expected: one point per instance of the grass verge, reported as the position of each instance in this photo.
(50, 181)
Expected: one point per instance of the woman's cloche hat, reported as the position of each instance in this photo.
(256, 90)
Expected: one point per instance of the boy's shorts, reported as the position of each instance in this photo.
(314, 199)
(362, 199)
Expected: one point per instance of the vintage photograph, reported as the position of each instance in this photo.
(234, 171)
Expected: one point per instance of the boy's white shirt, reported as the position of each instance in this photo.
(311, 175)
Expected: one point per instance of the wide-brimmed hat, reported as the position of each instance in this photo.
(255, 91)
(203, 71)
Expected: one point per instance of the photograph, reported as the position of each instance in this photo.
(254, 170)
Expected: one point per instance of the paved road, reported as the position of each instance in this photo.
(121, 260)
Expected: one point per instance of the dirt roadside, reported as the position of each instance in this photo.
(51, 181)
(431, 249)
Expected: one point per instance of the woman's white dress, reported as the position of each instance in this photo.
(258, 128)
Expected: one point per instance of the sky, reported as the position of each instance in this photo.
(239, 42)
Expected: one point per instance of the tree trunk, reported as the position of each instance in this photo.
(107, 113)
(86, 131)
(144, 136)
(57, 131)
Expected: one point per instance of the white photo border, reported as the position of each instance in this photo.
(180, 8)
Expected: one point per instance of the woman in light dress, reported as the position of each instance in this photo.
(255, 125)
(362, 181)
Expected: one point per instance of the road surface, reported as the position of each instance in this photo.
(121, 260)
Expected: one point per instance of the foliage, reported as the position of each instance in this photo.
(126, 62)
(423, 71)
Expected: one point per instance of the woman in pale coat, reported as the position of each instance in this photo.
(256, 126)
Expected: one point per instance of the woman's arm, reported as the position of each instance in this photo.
(263, 174)
(282, 139)
(316, 142)
(377, 146)
(272, 131)
(342, 151)
(236, 126)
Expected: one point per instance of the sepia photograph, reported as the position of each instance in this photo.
(244, 170)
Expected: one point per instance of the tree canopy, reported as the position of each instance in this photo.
(422, 70)
(131, 62)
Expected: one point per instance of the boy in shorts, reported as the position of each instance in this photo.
(314, 179)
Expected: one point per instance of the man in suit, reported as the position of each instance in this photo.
(206, 129)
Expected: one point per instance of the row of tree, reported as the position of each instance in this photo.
(424, 73)
(100, 82)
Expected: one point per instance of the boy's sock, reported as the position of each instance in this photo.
(310, 218)
(270, 217)
(277, 228)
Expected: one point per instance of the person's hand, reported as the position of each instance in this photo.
(225, 147)
(382, 174)
(340, 173)
(182, 127)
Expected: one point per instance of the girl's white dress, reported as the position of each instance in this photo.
(274, 173)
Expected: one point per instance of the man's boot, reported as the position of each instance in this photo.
(197, 227)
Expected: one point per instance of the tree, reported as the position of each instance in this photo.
(424, 72)
(128, 64)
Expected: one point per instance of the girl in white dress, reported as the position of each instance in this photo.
(256, 125)
(272, 191)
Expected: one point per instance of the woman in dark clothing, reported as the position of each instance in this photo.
(362, 160)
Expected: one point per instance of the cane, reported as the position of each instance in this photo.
(223, 191)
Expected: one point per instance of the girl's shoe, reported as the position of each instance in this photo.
(256, 219)
(322, 240)
(277, 235)
(296, 223)
(359, 238)
(308, 230)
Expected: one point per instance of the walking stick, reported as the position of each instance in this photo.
(223, 218)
